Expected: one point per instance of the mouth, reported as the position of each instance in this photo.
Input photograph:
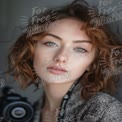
(56, 70)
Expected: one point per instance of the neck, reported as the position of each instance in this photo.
(54, 95)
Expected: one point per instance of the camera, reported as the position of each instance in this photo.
(14, 107)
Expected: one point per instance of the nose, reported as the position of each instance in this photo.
(61, 56)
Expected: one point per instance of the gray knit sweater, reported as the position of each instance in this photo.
(99, 108)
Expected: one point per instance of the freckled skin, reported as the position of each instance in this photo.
(73, 57)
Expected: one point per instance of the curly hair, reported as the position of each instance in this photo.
(99, 77)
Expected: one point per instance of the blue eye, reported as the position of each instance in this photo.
(50, 44)
(81, 50)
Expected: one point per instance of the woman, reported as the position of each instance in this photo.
(73, 61)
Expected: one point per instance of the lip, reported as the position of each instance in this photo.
(56, 70)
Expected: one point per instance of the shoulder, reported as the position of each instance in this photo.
(103, 102)
(104, 108)
(105, 99)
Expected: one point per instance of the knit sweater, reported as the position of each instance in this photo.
(99, 108)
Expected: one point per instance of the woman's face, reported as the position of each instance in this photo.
(64, 46)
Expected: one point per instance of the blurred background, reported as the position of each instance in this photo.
(13, 17)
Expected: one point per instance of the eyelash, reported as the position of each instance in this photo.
(46, 43)
(82, 50)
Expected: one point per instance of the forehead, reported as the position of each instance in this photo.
(69, 28)
(71, 23)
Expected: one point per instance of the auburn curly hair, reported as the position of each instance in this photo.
(101, 75)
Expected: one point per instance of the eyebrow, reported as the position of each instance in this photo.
(75, 41)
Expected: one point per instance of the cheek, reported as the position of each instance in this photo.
(81, 65)
(41, 60)
(79, 69)
(83, 58)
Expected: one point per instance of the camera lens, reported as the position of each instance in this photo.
(18, 112)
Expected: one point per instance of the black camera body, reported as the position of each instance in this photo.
(15, 108)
